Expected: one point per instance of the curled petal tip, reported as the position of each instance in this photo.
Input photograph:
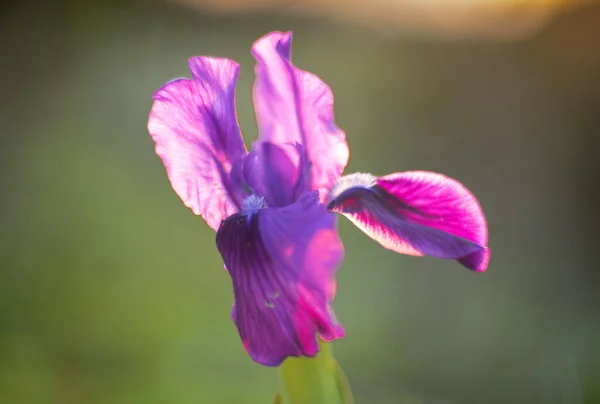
(477, 261)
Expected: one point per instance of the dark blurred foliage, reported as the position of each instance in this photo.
(111, 291)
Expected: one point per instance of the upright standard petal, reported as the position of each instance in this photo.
(416, 213)
(282, 262)
(295, 107)
(195, 128)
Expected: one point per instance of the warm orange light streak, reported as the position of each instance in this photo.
(499, 18)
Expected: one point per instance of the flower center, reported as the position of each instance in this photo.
(253, 203)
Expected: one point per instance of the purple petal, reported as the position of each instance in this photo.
(282, 262)
(296, 107)
(416, 213)
(269, 171)
(194, 126)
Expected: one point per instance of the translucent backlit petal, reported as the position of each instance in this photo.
(194, 125)
(296, 107)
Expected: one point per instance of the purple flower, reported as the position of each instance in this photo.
(273, 207)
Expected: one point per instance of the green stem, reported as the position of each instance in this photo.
(318, 380)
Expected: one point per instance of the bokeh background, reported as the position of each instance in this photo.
(111, 291)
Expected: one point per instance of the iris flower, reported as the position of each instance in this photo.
(273, 208)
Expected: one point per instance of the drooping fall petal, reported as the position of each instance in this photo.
(416, 213)
(194, 125)
(296, 107)
(282, 262)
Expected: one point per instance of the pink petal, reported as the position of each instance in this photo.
(296, 107)
(194, 126)
(417, 213)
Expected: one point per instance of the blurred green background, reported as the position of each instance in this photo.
(111, 291)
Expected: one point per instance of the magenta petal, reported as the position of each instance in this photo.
(282, 262)
(443, 203)
(295, 107)
(417, 213)
(194, 126)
